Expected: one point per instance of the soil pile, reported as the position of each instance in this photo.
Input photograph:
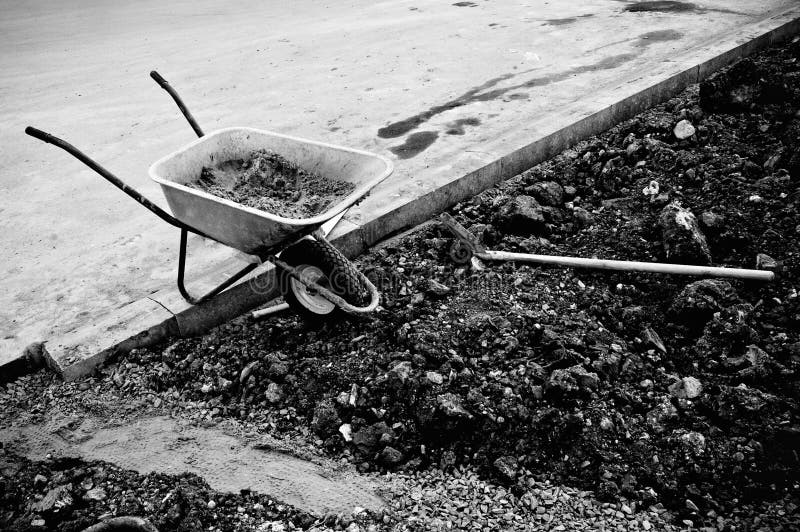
(269, 182)
(644, 388)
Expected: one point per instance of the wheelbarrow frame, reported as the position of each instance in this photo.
(267, 253)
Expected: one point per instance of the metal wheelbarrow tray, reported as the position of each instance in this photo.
(245, 228)
(307, 258)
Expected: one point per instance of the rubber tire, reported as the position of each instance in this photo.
(333, 265)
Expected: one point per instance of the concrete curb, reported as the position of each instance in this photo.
(149, 321)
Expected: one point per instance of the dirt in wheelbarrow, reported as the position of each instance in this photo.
(271, 183)
(664, 396)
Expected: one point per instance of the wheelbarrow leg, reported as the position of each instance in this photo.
(182, 269)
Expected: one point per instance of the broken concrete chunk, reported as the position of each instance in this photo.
(682, 238)
(346, 431)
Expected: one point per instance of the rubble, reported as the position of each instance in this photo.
(683, 241)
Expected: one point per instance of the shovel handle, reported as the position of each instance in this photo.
(631, 266)
(164, 84)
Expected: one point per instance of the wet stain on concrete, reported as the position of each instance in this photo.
(465, 4)
(402, 127)
(653, 37)
(458, 127)
(565, 21)
(672, 6)
(415, 144)
(481, 93)
(661, 6)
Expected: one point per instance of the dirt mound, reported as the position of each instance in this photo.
(271, 183)
(580, 376)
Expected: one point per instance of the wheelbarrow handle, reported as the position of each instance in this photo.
(164, 84)
(108, 176)
(41, 135)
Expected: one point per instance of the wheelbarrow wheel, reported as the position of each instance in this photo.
(329, 268)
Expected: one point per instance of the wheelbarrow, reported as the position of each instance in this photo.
(313, 276)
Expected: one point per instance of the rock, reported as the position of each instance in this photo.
(652, 339)
(547, 193)
(274, 393)
(563, 382)
(390, 456)
(521, 216)
(608, 364)
(686, 388)
(663, 413)
(278, 370)
(95, 494)
(400, 374)
(633, 367)
(606, 423)
(682, 238)
(437, 289)
(683, 130)
(732, 404)
(346, 430)
(693, 442)
(57, 499)
(582, 218)
(211, 504)
(765, 262)
(451, 405)
(608, 490)
(326, 420)
(755, 365)
(506, 467)
(712, 221)
(368, 439)
(39, 480)
(434, 378)
(698, 301)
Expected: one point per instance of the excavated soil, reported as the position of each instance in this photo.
(271, 183)
(669, 395)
